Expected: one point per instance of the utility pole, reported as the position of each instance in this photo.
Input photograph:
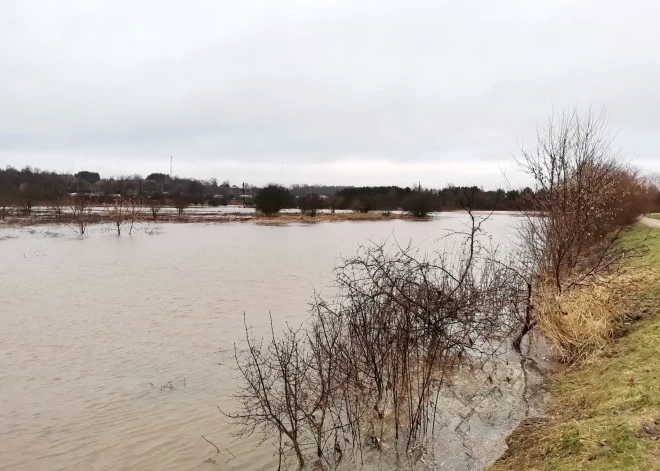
(170, 166)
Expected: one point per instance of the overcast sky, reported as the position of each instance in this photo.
(345, 92)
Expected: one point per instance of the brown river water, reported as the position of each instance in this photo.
(116, 352)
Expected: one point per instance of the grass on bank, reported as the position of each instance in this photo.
(604, 415)
(653, 216)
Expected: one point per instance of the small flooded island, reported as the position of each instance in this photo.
(329, 236)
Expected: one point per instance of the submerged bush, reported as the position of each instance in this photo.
(273, 199)
(365, 370)
(310, 203)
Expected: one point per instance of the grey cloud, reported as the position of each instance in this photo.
(318, 83)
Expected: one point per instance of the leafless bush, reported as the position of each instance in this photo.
(310, 204)
(133, 214)
(118, 213)
(287, 389)
(4, 202)
(364, 370)
(81, 209)
(125, 212)
(155, 206)
(56, 207)
(585, 196)
(27, 196)
(181, 203)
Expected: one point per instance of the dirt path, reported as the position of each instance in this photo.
(650, 222)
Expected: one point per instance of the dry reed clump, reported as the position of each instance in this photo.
(583, 320)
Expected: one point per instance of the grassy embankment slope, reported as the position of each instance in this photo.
(604, 415)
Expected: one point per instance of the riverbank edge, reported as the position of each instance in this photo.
(604, 414)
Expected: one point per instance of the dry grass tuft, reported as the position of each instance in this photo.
(585, 319)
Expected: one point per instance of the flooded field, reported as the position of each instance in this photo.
(116, 352)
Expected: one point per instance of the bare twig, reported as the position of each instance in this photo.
(211, 443)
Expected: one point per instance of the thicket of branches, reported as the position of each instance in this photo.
(125, 213)
(363, 372)
(585, 195)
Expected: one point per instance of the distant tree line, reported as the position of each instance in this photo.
(27, 187)
(416, 201)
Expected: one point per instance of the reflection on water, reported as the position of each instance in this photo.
(115, 352)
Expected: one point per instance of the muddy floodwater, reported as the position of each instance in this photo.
(116, 352)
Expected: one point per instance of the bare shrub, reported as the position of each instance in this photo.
(7, 198)
(118, 213)
(56, 207)
(585, 195)
(155, 206)
(81, 209)
(334, 202)
(125, 212)
(134, 214)
(310, 204)
(419, 203)
(364, 370)
(180, 203)
(272, 199)
(27, 195)
(286, 384)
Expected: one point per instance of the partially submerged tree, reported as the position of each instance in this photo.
(81, 209)
(56, 207)
(334, 202)
(155, 206)
(419, 203)
(6, 199)
(133, 214)
(364, 204)
(27, 196)
(180, 203)
(118, 213)
(272, 199)
(125, 213)
(310, 203)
